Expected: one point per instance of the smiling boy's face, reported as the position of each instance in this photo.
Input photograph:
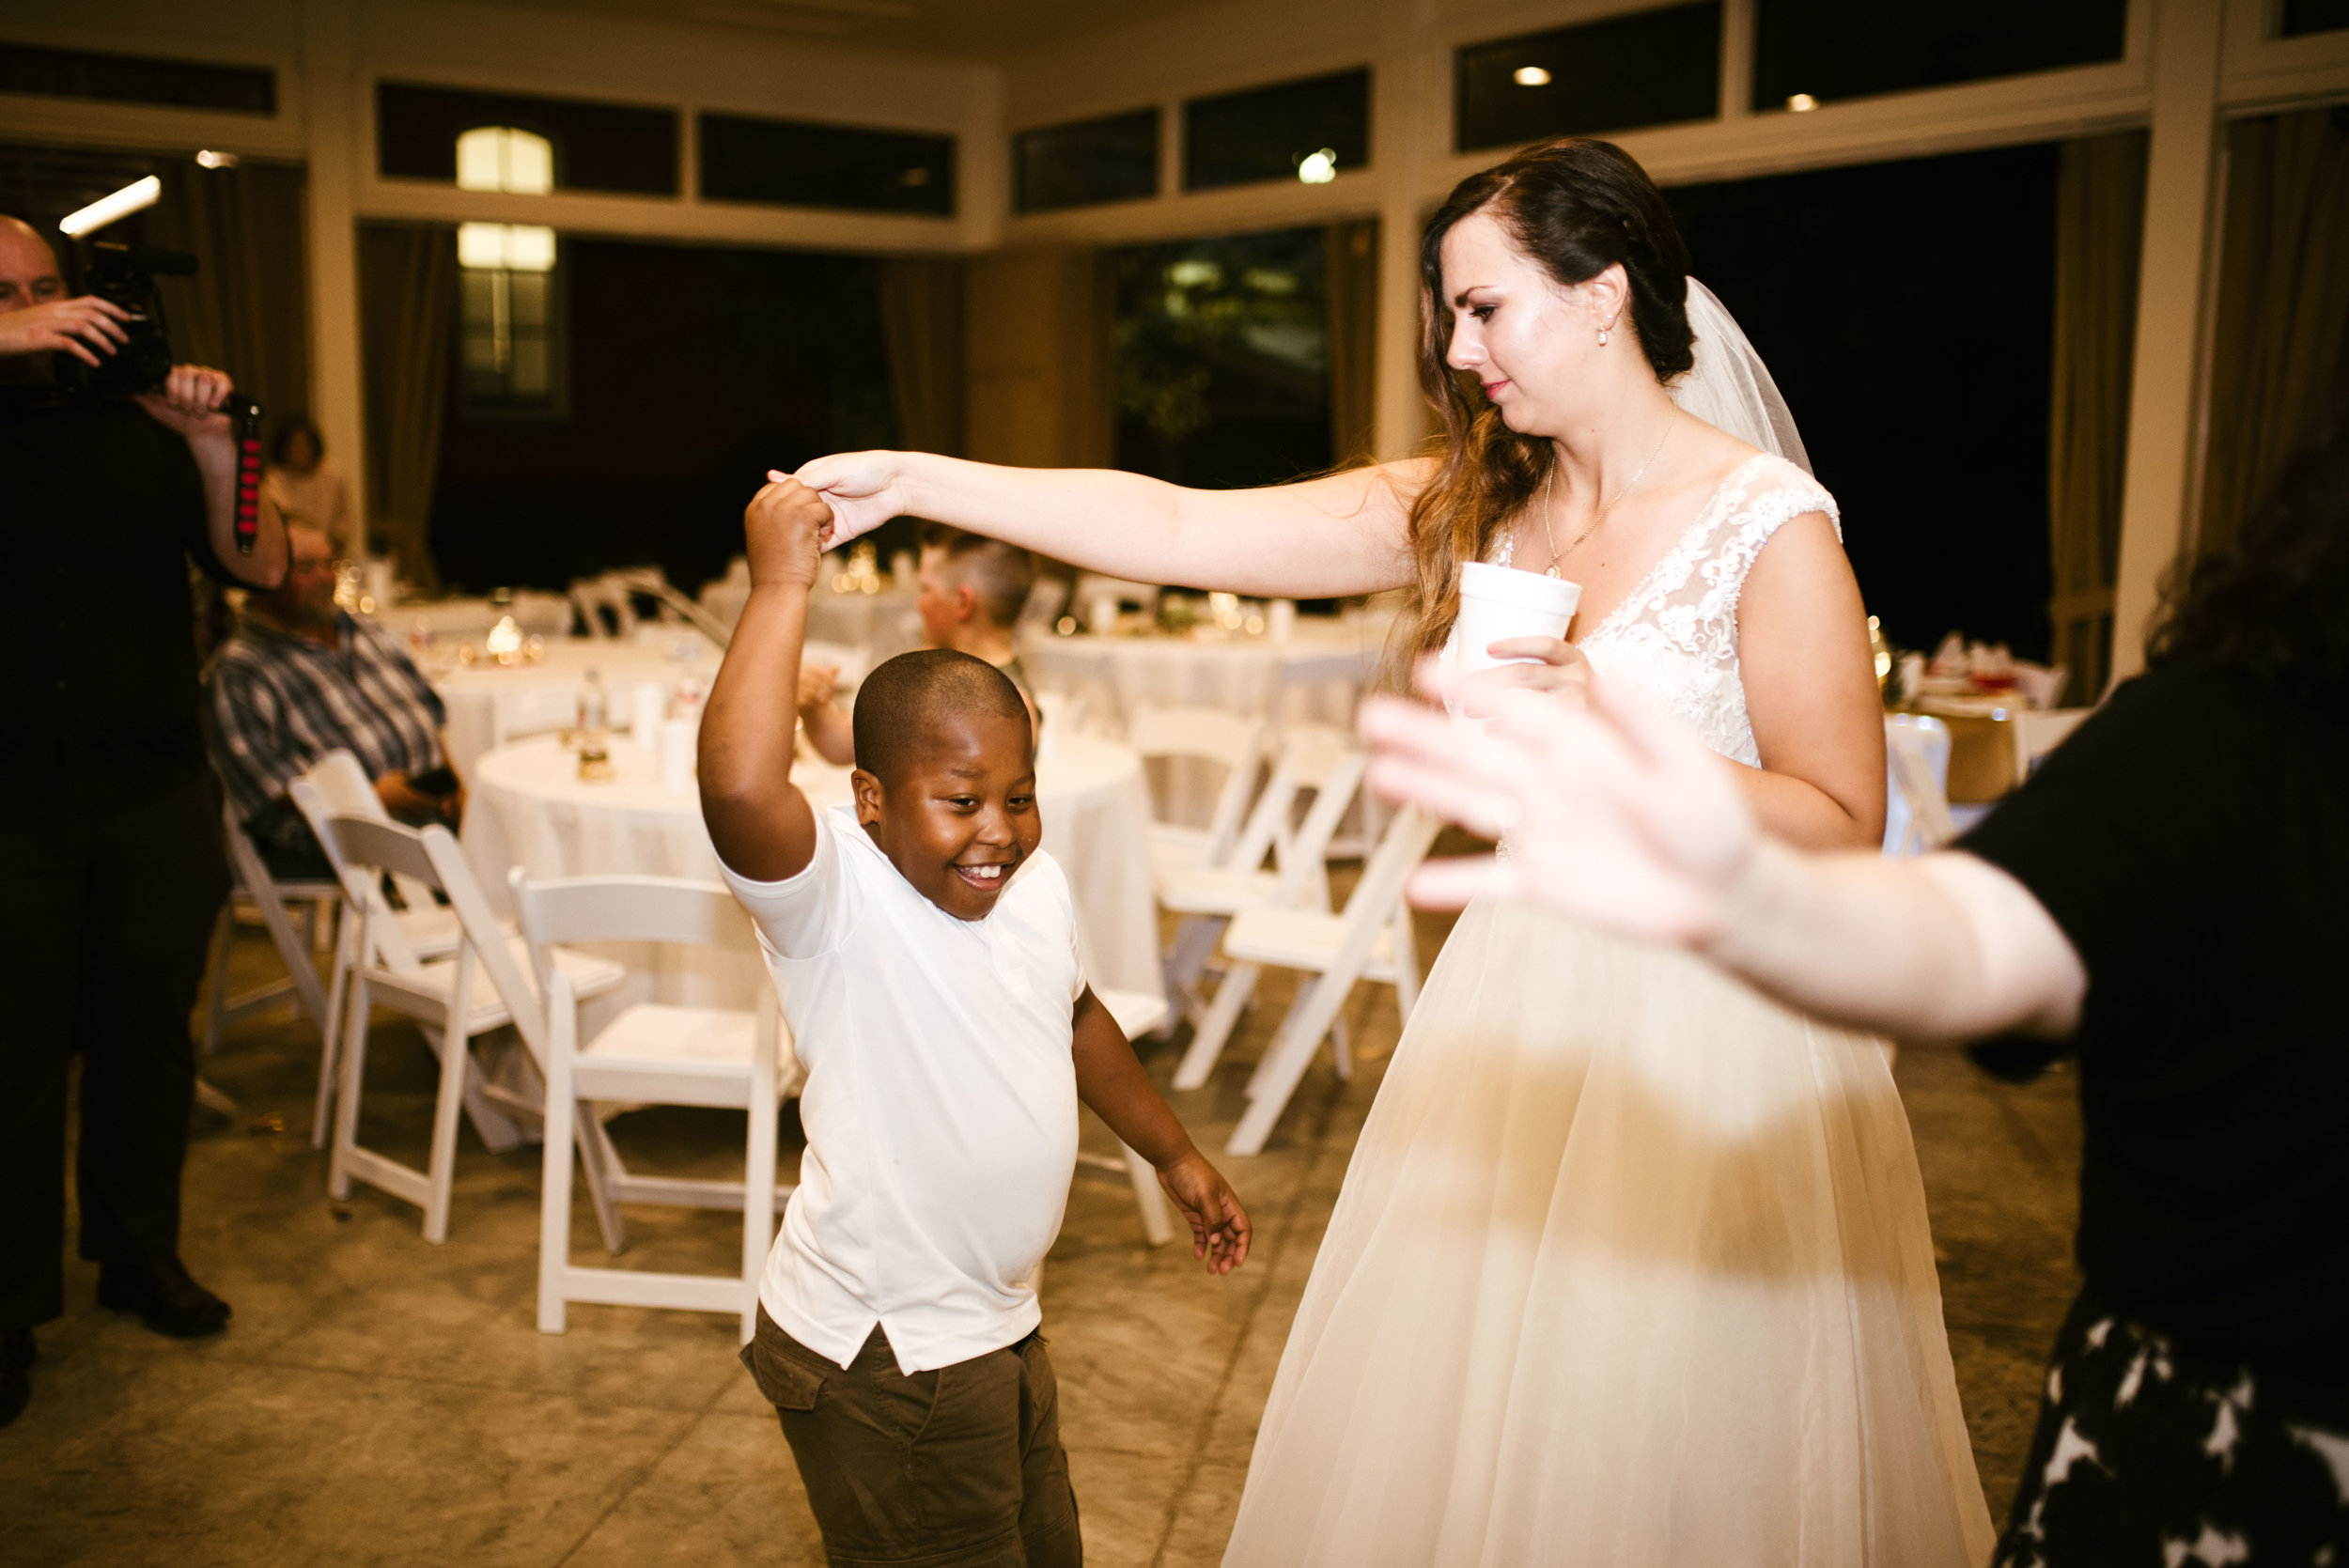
(960, 815)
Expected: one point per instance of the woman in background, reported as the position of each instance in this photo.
(305, 484)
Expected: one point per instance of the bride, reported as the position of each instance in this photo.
(1631, 1265)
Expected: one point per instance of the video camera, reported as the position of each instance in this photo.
(125, 275)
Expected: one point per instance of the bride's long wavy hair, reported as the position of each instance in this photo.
(1575, 206)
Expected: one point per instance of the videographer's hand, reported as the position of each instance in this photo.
(190, 402)
(863, 488)
(781, 532)
(76, 326)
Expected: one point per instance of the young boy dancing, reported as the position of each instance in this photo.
(925, 950)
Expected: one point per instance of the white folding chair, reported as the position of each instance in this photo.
(1370, 940)
(484, 985)
(422, 930)
(653, 1053)
(1312, 758)
(296, 946)
(1916, 777)
(1199, 736)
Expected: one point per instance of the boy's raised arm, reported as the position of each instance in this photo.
(760, 823)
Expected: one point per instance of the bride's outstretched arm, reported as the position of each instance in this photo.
(1320, 538)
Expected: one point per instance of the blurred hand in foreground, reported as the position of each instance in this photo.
(1613, 815)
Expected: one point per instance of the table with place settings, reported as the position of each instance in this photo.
(530, 808)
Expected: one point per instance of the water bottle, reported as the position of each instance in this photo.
(595, 744)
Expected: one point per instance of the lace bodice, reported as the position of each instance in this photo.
(1674, 638)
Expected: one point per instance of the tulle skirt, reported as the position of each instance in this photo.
(1631, 1268)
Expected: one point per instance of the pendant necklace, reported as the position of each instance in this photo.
(1551, 538)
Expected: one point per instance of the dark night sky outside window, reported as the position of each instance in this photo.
(597, 146)
(1833, 49)
(1651, 68)
(1094, 161)
(1247, 137)
(789, 163)
(130, 79)
(2302, 17)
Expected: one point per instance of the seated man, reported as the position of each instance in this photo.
(302, 678)
(973, 591)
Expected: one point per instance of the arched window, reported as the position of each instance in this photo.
(500, 158)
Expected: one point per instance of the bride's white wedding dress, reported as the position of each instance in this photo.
(1631, 1265)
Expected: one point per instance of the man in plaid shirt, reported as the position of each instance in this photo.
(300, 678)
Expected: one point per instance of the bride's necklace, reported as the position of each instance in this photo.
(1555, 553)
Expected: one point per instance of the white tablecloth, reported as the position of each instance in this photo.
(1315, 675)
(492, 704)
(529, 808)
(548, 614)
(886, 624)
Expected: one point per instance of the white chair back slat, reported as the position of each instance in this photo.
(1229, 741)
(1917, 769)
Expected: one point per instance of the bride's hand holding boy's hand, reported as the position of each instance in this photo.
(1220, 1231)
(1555, 666)
(863, 489)
(782, 533)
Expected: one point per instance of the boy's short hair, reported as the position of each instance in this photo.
(1000, 574)
(897, 704)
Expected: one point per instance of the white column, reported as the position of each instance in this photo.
(333, 106)
(1410, 131)
(2174, 293)
(1736, 100)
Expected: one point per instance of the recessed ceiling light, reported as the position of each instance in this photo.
(1318, 168)
(210, 158)
(1802, 102)
(1529, 76)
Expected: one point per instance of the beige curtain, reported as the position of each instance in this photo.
(921, 318)
(247, 309)
(1350, 281)
(2100, 219)
(2284, 306)
(1036, 346)
(408, 298)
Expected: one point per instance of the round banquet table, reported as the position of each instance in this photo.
(529, 809)
(489, 703)
(884, 624)
(548, 614)
(1315, 675)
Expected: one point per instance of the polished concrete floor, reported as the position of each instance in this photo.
(378, 1400)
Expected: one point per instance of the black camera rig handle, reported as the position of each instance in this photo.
(244, 425)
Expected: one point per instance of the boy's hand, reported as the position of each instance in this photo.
(781, 530)
(1220, 1231)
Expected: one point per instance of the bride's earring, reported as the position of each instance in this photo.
(1602, 333)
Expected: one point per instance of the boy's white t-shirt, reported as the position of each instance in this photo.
(940, 1106)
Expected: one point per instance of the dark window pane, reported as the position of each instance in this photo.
(2302, 17)
(1265, 132)
(597, 146)
(1653, 68)
(1832, 49)
(795, 165)
(1075, 165)
(128, 79)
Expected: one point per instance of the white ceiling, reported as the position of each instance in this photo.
(970, 29)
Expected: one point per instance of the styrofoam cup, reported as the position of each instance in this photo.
(1501, 602)
(677, 755)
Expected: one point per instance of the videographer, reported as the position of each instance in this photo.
(111, 869)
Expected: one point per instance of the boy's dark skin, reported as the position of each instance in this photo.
(956, 824)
